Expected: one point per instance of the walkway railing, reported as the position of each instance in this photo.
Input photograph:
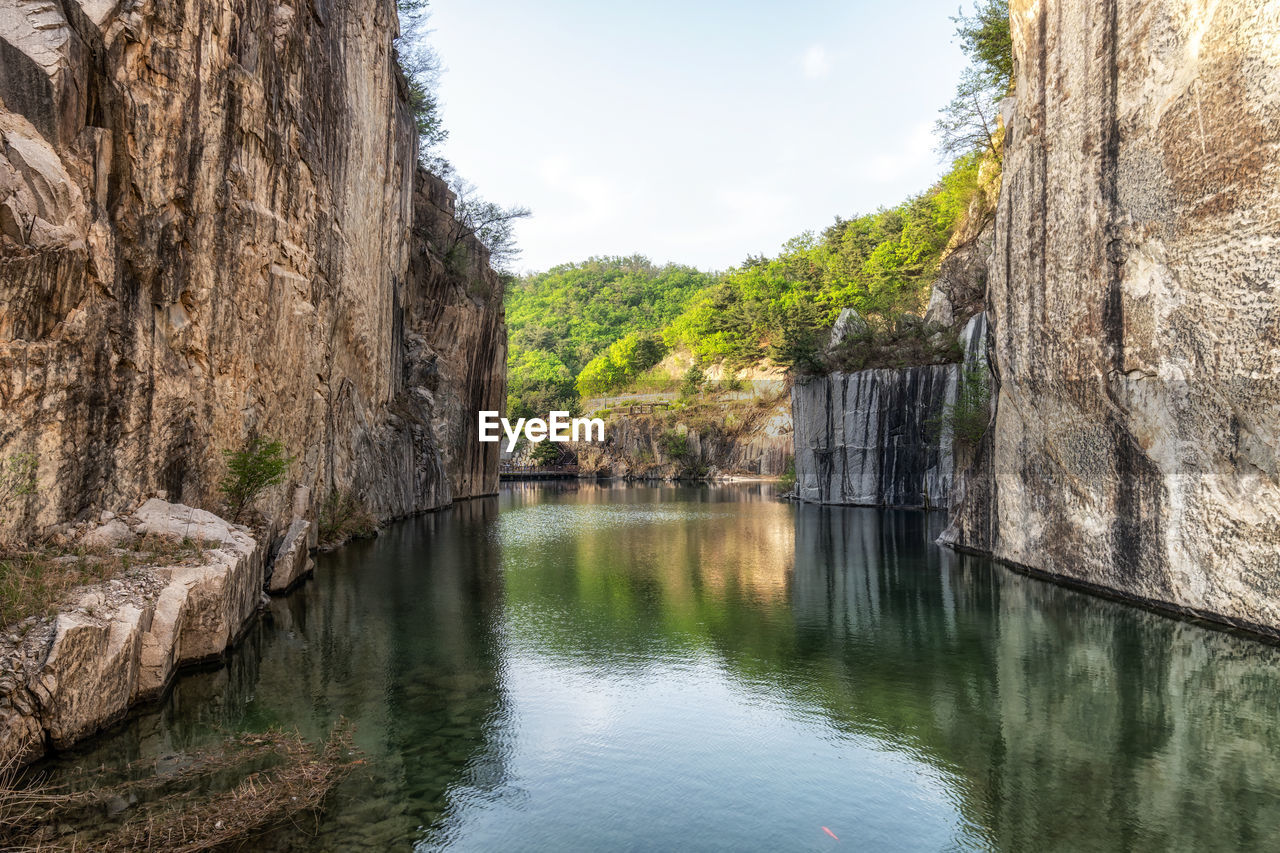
(516, 471)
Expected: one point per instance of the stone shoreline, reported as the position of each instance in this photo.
(122, 641)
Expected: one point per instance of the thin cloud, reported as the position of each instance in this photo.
(815, 62)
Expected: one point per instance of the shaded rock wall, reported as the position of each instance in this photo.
(880, 437)
(1134, 305)
(212, 225)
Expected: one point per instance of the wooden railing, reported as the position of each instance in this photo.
(516, 470)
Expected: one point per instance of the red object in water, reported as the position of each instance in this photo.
(832, 834)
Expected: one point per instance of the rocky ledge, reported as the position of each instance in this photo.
(118, 643)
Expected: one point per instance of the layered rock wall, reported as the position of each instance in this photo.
(881, 437)
(212, 225)
(1134, 305)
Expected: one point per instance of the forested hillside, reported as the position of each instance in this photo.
(560, 320)
(595, 327)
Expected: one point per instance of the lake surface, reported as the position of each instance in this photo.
(614, 667)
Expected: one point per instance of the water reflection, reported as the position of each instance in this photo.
(595, 666)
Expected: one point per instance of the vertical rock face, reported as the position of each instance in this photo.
(869, 437)
(212, 225)
(880, 437)
(1135, 309)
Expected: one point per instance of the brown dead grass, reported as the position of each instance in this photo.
(222, 797)
(35, 580)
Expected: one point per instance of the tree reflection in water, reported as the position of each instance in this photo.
(578, 666)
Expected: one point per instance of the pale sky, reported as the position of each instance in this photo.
(699, 131)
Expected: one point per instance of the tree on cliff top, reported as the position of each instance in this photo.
(492, 224)
(969, 123)
(421, 67)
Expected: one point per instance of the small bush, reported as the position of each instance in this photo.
(17, 480)
(545, 453)
(787, 481)
(675, 445)
(261, 464)
(692, 382)
(972, 409)
(968, 416)
(343, 516)
(903, 341)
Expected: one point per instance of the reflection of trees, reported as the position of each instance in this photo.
(1073, 721)
(1065, 720)
(639, 574)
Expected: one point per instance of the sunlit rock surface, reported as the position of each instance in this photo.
(1134, 306)
(120, 642)
(212, 225)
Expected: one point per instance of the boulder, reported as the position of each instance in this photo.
(293, 559)
(849, 322)
(113, 534)
(179, 522)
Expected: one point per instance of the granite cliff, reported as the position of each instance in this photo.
(1134, 307)
(882, 437)
(1134, 320)
(213, 225)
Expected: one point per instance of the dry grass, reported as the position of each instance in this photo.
(343, 516)
(34, 581)
(222, 797)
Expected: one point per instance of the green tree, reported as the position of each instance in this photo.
(538, 383)
(970, 121)
(545, 453)
(260, 464)
(692, 382)
(421, 67)
(620, 364)
(492, 224)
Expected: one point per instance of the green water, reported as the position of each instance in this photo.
(588, 667)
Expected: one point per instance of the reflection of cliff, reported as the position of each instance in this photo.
(1070, 719)
(395, 634)
(1060, 717)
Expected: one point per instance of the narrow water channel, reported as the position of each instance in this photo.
(595, 667)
